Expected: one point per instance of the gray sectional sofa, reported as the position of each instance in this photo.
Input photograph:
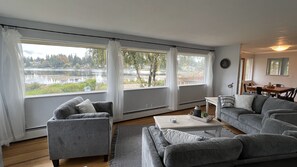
(251, 122)
(250, 150)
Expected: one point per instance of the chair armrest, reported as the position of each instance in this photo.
(103, 107)
(275, 112)
(275, 126)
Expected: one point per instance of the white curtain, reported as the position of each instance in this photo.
(171, 79)
(209, 74)
(12, 115)
(115, 78)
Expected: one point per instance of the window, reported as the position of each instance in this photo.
(190, 69)
(57, 69)
(277, 66)
(143, 68)
(249, 69)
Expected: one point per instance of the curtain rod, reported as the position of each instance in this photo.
(103, 37)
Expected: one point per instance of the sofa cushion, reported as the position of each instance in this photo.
(244, 101)
(258, 103)
(275, 126)
(227, 101)
(200, 153)
(235, 112)
(261, 145)
(86, 107)
(88, 115)
(159, 140)
(67, 108)
(179, 137)
(274, 103)
(253, 120)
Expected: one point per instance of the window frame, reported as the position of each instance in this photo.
(205, 67)
(63, 44)
(144, 51)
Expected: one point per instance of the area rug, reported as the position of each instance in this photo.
(126, 145)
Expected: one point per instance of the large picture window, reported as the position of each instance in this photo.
(144, 68)
(190, 69)
(58, 69)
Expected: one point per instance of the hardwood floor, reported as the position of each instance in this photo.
(34, 153)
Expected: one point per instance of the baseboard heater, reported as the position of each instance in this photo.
(143, 110)
(190, 102)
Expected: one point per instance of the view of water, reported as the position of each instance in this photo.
(53, 76)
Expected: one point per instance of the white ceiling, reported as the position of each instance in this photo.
(257, 24)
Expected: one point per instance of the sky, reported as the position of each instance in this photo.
(34, 50)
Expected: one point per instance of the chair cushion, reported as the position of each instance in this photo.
(261, 145)
(88, 115)
(235, 112)
(85, 107)
(253, 120)
(258, 103)
(67, 108)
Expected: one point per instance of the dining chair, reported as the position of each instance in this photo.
(259, 90)
(290, 95)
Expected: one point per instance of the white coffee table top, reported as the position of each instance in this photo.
(184, 122)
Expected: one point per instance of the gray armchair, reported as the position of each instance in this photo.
(72, 135)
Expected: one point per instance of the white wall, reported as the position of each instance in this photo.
(137, 103)
(223, 77)
(260, 64)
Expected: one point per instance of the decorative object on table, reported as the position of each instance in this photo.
(197, 111)
(205, 117)
(225, 63)
(173, 120)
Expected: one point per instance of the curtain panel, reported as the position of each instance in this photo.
(12, 114)
(171, 79)
(209, 74)
(115, 92)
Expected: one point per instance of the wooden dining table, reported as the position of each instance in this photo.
(265, 88)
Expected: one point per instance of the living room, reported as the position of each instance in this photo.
(206, 32)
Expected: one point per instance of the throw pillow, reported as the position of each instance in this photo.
(178, 137)
(86, 107)
(227, 101)
(244, 101)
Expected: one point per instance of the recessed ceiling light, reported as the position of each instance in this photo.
(279, 48)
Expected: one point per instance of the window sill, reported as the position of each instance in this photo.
(64, 94)
(201, 84)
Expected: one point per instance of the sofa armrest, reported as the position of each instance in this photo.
(283, 112)
(78, 137)
(101, 106)
(275, 126)
(150, 156)
(218, 107)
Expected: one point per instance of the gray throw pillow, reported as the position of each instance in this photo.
(86, 107)
(178, 137)
(227, 101)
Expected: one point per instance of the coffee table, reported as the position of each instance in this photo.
(186, 123)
